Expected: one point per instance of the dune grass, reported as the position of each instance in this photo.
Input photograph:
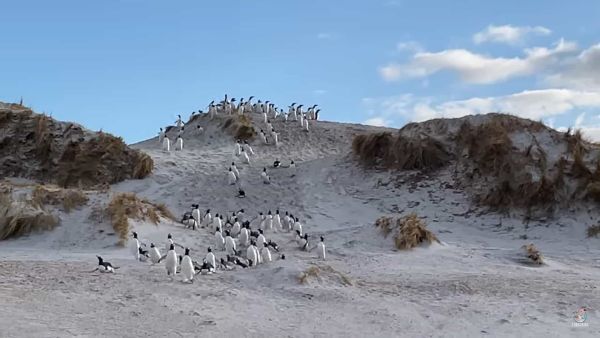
(323, 273)
(68, 199)
(533, 254)
(23, 216)
(126, 206)
(240, 126)
(593, 231)
(409, 231)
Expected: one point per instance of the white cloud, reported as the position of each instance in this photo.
(476, 68)
(324, 36)
(410, 46)
(377, 122)
(508, 34)
(582, 72)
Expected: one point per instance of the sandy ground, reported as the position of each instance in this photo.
(472, 285)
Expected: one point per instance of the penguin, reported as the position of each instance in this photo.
(219, 240)
(169, 242)
(274, 136)
(317, 114)
(245, 158)
(305, 125)
(276, 163)
(187, 267)
(236, 228)
(171, 262)
(238, 148)
(166, 144)
(154, 254)
(251, 255)
(297, 226)
(285, 222)
(269, 126)
(248, 148)
(179, 143)
(210, 258)
(277, 221)
(134, 246)
(258, 255)
(298, 237)
(161, 136)
(321, 251)
(143, 254)
(179, 122)
(231, 178)
(229, 243)
(263, 137)
(105, 266)
(206, 268)
(273, 245)
(240, 215)
(265, 177)
(270, 221)
(207, 218)
(260, 240)
(244, 236)
(235, 170)
(196, 213)
(265, 253)
(263, 221)
(292, 164)
(217, 225)
(265, 117)
(240, 263)
(304, 242)
(241, 193)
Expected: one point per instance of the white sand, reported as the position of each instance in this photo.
(471, 286)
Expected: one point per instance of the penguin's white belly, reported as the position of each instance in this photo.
(179, 144)
(246, 158)
(196, 215)
(236, 229)
(134, 247)
(154, 255)
(251, 255)
(321, 250)
(210, 258)
(244, 237)
(187, 268)
(266, 255)
(219, 241)
(230, 245)
(166, 144)
(171, 262)
(107, 269)
(232, 178)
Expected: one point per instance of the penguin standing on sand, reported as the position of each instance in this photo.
(266, 253)
(171, 262)
(263, 221)
(321, 251)
(240, 215)
(297, 226)
(166, 144)
(260, 240)
(251, 254)
(274, 136)
(245, 158)
(179, 143)
(277, 221)
(231, 178)
(105, 266)
(229, 243)
(207, 218)
(161, 136)
(305, 124)
(236, 228)
(144, 255)
(170, 242)
(265, 177)
(303, 243)
(244, 236)
(134, 246)
(187, 267)
(270, 221)
(248, 148)
(179, 122)
(263, 137)
(219, 240)
(210, 258)
(196, 214)
(238, 148)
(154, 254)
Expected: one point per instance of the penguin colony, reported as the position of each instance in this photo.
(268, 111)
(232, 233)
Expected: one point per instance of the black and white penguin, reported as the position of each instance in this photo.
(266, 253)
(166, 144)
(236, 228)
(161, 136)
(143, 254)
(245, 158)
(241, 193)
(273, 245)
(270, 221)
(297, 226)
(231, 178)
(304, 242)
(210, 258)
(179, 122)
(252, 254)
(317, 114)
(235, 170)
(244, 236)
(217, 224)
(260, 240)
(187, 267)
(105, 266)
(321, 251)
(196, 213)
(154, 254)
(265, 177)
(169, 242)
(179, 143)
(171, 261)
(134, 246)
(277, 221)
(248, 148)
(240, 215)
(240, 263)
(276, 163)
(238, 148)
(229, 243)
(207, 219)
(219, 240)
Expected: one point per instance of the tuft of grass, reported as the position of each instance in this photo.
(240, 126)
(322, 272)
(593, 231)
(143, 166)
(68, 199)
(488, 145)
(532, 252)
(409, 231)
(125, 206)
(21, 217)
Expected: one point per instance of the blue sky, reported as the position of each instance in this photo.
(130, 66)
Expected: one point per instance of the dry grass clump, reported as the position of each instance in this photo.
(322, 272)
(127, 206)
(420, 152)
(593, 231)
(102, 159)
(21, 217)
(533, 253)
(410, 231)
(68, 199)
(240, 126)
(488, 145)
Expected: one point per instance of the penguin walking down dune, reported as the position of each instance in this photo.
(263, 137)
(179, 143)
(305, 124)
(321, 251)
(297, 226)
(251, 255)
(144, 255)
(265, 177)
(154, 254)
(275, 137)
(303, 242)
(196, 214)
(187, 267)
(248, 148)
(235, 170)
(236, 228)
(207, 218)
(229, 243)
(134, 246)
(277, 221)
(161, 136)
(269, 221)
(210, 258)
(245, 158)
(171, 261)
(260, 240)
(238, 148)
(219, 240)
(218, 223)
(105, 266)
(169, 242)
(266, 253)
(231, 178)
(166, 144)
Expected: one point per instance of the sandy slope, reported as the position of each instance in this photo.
(471, 286)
